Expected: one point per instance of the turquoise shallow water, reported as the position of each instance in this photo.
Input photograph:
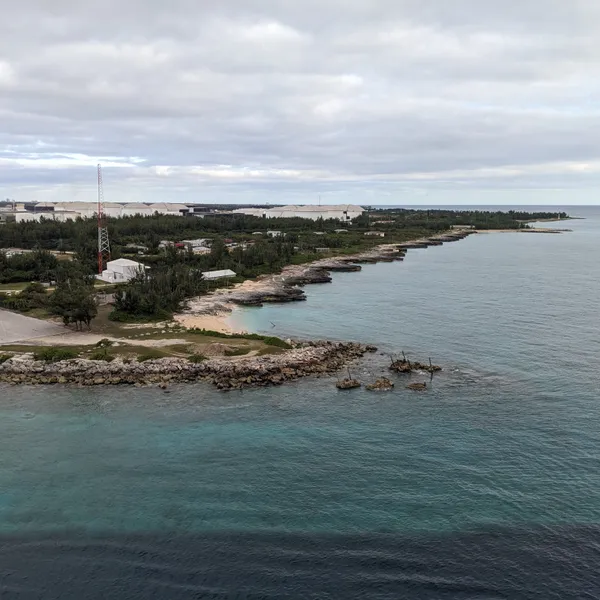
(499, 459)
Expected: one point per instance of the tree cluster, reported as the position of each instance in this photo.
(157, 293)
(39, 265)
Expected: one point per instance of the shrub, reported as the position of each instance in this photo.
(275, 341)
(4, 358)
(104, 343)
(54, 354)
(241, 351)
(102, 354)
(150, 355)
(197, 358)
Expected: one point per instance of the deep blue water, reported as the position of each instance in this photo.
(486, 486)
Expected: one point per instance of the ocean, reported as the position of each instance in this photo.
(485, 486)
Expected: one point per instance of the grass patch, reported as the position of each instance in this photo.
(4, 358)
(275, 341)
(266, 339)
(269, 350)
(197, 358)
(9, 287)
(102, 354)
(240, 351)
(151, 354)
(122, 317)
(54, 354)
(181, 349)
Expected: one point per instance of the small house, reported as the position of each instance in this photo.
(375, 233)
(223, 274)
(121, 270)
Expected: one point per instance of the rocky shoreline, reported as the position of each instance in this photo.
(286, 286)
(304, 359)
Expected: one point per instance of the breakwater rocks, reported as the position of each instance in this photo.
(308, 358)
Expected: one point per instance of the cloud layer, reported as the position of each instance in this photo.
(385, 101)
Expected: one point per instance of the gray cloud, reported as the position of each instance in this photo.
(386, 101)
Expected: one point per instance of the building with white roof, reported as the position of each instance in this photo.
(121, 270)
(168, 208)
(225, 273)
(340, 212)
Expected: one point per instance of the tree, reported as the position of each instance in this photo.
(75, 301)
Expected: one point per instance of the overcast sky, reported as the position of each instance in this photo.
(362, 101)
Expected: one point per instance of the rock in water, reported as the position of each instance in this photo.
(418, 387)
(383, 385)
(347, 384)
(401, 366)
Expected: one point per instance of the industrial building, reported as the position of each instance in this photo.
(121, 270)
(339, 212)
(64, 211)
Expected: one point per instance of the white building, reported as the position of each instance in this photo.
(57, 215)
(120, 270)
(167, 208)
(199, 243)
(340, 212)
(117, 210)
(225, 273)
(131, 209)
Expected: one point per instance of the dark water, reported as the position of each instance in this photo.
(487, 486)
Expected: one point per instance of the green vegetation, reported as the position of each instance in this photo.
(174, 273)
(74, 300)
(4, 358)
(266, 339)
(54, 354)
(241, 351)
(34, 295)
(13, 287)
(157, 295)
(102, 354)
(197, 358)
(151, 354)
(438, 220)
(39, 265)
(104, 343)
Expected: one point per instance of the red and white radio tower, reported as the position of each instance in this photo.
(103, 242)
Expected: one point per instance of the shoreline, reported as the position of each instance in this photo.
(287, 285)
(212, 313)
(530, 230)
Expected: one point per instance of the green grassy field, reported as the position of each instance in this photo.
(13, 287)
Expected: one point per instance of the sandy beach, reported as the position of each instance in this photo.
(219, 321)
